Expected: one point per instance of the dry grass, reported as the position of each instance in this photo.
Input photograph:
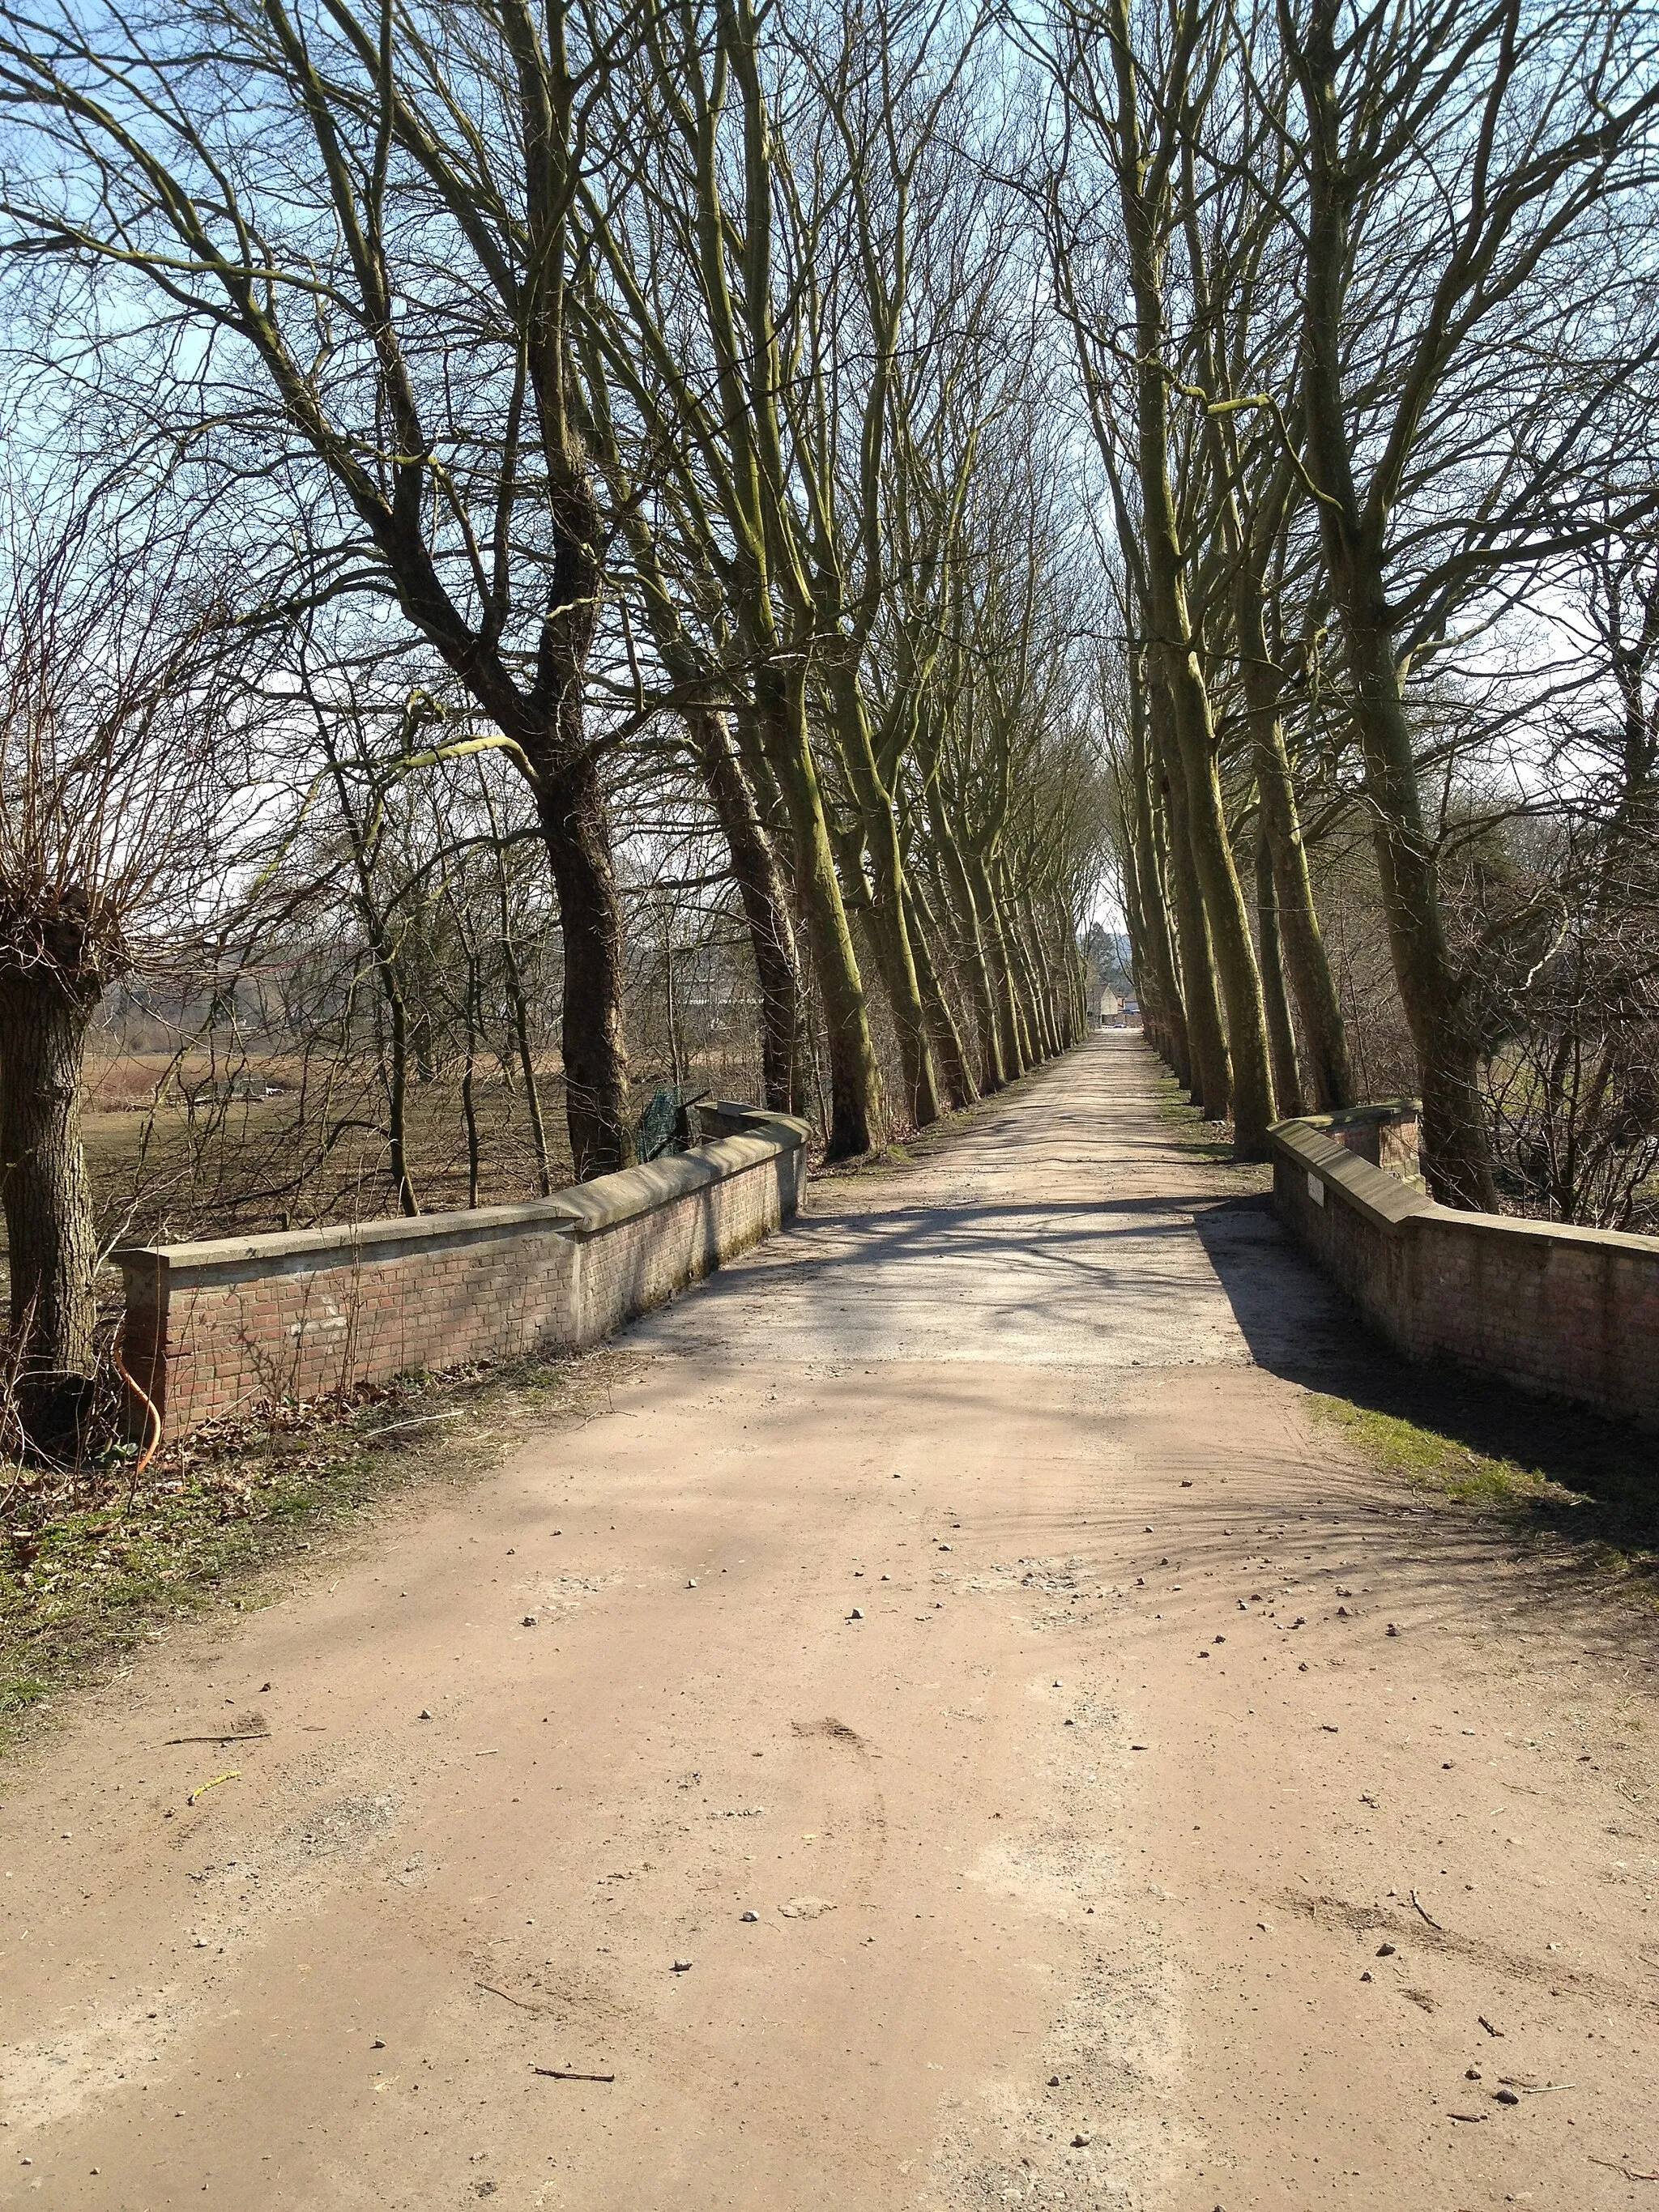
(310, 1155)
(90, 1565)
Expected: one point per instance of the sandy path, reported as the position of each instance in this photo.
(1069, 1858)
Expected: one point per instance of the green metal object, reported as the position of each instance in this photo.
(666, 1124)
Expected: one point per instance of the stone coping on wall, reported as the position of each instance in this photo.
(1383, 1131)
(1384, 1111)
(1385, 1200)
(584, 1210)
(1380, 1196)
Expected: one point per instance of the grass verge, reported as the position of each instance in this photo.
(1551, 1474)
(1186, 1126)
(1439, 1462)
(89, 1569)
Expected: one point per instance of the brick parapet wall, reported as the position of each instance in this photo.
(1385, 1132)
(1571, 1313)
(213, 1328)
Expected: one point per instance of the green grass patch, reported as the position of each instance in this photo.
(1588, 1488)
(1186, 1126)
(1440, 1463)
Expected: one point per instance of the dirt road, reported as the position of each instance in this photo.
(960, 1758)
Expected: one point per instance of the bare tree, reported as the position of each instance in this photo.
(1161, 64)
(1464, 166)
(351, 234)
(113, 670)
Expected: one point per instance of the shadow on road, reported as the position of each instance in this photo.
(1599, 1479)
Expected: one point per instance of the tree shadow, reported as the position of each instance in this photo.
(1589, 1481)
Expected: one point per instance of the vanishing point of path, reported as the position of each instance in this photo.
(959, 1643)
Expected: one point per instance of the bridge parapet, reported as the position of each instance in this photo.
(1385, 1132)
(1566, 1312)
(211, 1329)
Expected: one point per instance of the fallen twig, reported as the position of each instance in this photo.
(1629, 2171)
(1426, 1914)
(151, 1410)
(254, 1735)
(1487, 2025)
(1471, 2117)
(559, 2074)
(523, 2004)
(420, 1421)
(234, 1775)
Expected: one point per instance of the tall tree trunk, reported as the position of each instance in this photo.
(1160, 986)
(1013, 1045)
(890, 944)
(766, 911)
(1164, 1016)
(570, 804)
(1234, 956)
(742, 791)
(857, 1123)
(44, 1015)
(1039, 973)
(1212, 1084)
(1061, 970)
(951, 1057)
(1140, 969)
(889, 934)
(1038, 1044)
(1323, 1028)
(1047, 981)
(1013, 953)
(1171, 626)
(1281, 1030)
(1070, 974)
(993, 1072)
(1456, 1140)
(1073, 974)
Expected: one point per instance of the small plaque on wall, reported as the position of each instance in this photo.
(1316, 1189)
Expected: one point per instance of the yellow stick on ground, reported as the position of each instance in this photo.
(234, 1775)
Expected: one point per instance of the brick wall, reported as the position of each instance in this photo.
(212, 1328)
(1385, 1132)
(1572, 1313)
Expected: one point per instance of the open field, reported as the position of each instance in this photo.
(217, 1156)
